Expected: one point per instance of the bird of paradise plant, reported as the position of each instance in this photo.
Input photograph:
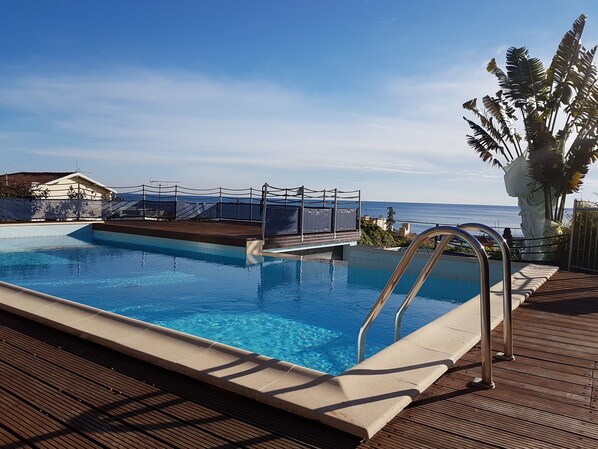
(545, 118)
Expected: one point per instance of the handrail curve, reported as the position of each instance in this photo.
(507, 290)
(448, 232)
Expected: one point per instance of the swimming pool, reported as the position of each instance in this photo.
(304, 312)
(360, 401)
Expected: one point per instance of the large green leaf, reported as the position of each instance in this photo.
(504, 116)
(583, 152)
(526, 79)
(503, 80)
(484, 144)
(583, 79)
(567, 53)
(485, 121)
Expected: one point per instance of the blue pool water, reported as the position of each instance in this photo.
(308, 313)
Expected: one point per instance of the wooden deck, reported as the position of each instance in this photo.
(218, 232)
(224, 233)
(61, 392)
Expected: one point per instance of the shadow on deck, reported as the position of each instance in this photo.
(62, 391)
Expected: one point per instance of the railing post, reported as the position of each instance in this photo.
(143, 199)
(302, 215)
(220, 203)
(175, 200)
(571, 234)
(264, 209)
(250, 204)
(79, 201)
(359, 211)
(334, 212)
(159, 213)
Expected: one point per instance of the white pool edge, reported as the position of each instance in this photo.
(360, 401)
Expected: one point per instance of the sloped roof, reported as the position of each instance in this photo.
(26, 178)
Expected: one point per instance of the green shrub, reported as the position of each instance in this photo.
(374, 235)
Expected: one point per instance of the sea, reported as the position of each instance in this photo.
(422, 216)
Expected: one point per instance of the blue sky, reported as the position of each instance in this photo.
(348, 94)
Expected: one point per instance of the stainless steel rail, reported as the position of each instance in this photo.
(449, 232)
(507, 295)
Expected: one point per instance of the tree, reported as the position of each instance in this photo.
(390, 219)
(374, 235)
(20, 202)
(25, 191)
(557, 112)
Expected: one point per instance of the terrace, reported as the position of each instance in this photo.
(106, 400)
(61, 391)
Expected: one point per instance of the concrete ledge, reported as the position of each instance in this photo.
(359, 401)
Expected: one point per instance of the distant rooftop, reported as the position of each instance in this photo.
(25, 177)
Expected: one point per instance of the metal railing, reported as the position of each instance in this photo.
(583, 246)
(300, 211)
(507, 294)
(175, 202)
(449, 232)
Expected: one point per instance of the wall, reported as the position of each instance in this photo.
(8, 231)
(451, 267)
(60, 190)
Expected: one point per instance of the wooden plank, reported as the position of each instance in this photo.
(9, 440)
(71, 415)
(401, 432)
(36, 427)
(236, 414)
(170, 405)
(529, 420)
(479, 433)
(525, 433)
(518, 396)
(552, 325)
(549, 338)
(120, 409)
(539, 345)
(539, 363)
(563, 390)
(534, 370)
(538, 352)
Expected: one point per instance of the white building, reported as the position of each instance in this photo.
(59, 185)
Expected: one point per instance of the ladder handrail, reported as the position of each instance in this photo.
(486, 380)
(507, 295)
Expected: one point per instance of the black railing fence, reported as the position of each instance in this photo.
(301, 211)
(281, 211)
(183, 203)
(583, 254)
(547, 250)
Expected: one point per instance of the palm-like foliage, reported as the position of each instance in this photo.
(565, 94)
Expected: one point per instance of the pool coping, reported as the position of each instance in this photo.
(360, 401)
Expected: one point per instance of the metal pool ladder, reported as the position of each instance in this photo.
(448, 233)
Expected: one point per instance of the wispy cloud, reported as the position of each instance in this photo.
(198, 128)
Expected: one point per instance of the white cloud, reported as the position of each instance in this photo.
(133, 124)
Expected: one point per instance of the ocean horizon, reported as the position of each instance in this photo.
(422, 216)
